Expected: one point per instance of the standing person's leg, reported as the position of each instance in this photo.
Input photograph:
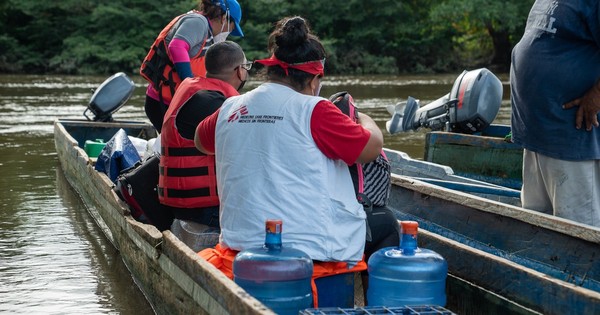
(574, 187)
(534, 195)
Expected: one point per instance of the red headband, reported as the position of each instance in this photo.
(313, 67)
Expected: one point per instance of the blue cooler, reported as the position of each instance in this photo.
(336, 291)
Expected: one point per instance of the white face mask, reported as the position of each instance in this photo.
(319, 89)
(222, 36)
(316, 93)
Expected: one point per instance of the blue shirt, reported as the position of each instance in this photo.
(556, 61)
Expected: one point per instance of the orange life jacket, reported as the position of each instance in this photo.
(222, 259)
(187, 177)
(158, 68)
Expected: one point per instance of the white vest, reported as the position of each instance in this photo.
(269, 167)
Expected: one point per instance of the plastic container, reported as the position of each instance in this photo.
(407, 275)
(336, 291)
(93, 148)
(195, 235)
(276, 275)
(139, 144)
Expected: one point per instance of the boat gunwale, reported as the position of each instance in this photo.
(547, 221)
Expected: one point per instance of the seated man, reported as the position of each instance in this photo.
(187, 177)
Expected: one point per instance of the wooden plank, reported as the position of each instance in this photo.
(483, 158)
(444, 176)
(529, 217)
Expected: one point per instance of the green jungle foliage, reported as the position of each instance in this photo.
(361, 37)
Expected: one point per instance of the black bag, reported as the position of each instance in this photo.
(137, 186)
(372, 181)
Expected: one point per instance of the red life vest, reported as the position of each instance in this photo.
(158, 68)
(187, 177)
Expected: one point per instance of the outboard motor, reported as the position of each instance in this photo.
(470, 107)
(110, 96)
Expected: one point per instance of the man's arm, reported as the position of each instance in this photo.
(204, 138)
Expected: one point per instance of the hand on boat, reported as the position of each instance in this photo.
(589, 107)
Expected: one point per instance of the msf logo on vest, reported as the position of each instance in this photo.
(240, 111)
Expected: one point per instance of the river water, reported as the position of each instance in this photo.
(53, 259)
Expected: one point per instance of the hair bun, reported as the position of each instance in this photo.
(294, 32)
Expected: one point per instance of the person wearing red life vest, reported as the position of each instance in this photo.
(179, 51)
(187, 179)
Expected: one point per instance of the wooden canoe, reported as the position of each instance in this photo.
(174, 278)
(486, 156)
(502, 259)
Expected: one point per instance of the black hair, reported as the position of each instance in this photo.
(222, 57)
(211, 8)
(293, 42)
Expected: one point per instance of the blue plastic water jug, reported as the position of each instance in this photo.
(276, 275)
(407, 275)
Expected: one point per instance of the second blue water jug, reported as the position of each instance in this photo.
(277, 276)
(407, 275)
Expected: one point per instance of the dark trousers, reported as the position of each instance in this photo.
(155, 111)
(384, 230)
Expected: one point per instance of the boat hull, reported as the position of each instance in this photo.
(544, 263)
(494, 250)
(174, 279)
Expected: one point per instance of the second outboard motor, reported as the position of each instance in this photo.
(110, 96)
(470, 107)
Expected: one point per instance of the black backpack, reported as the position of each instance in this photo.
(371, 180)
(137, 186)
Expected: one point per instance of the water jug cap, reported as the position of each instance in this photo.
(274, 226)
(409, 227)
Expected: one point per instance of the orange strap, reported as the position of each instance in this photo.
(222, 258)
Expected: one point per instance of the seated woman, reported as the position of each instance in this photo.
(283, 152)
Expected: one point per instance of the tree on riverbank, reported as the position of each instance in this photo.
(362, 37)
